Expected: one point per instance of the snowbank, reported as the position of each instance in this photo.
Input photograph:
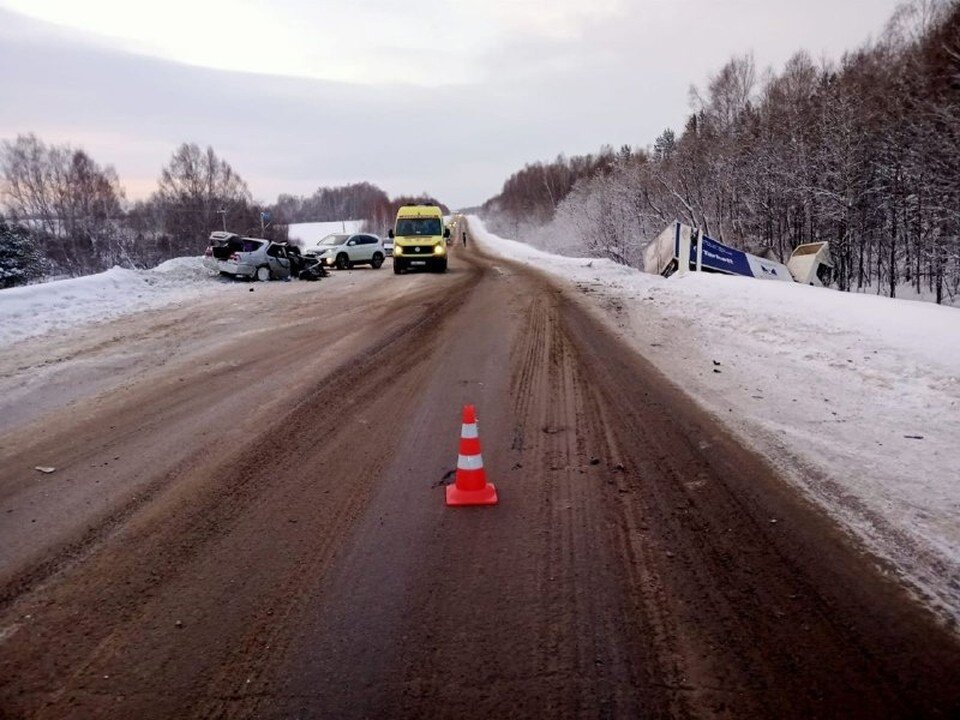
(309, 234)
(38, 309)
(855, 397)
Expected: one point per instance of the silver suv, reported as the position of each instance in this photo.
(254, 258)
(345, 250)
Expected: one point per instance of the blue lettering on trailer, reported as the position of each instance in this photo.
(721, 258)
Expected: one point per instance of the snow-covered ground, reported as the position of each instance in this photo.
(855, 397)
(61, 304)
(58, 305)
(309, 234)
(906, 291)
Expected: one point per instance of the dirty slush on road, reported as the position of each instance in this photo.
(640, 562)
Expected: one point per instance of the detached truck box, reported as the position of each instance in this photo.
(680, 248)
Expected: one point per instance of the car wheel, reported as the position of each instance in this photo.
(377, 261)
(397, 268)
(263, 273)
(343, 262)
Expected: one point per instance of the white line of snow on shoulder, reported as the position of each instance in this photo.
(834, 388)
(34, 310)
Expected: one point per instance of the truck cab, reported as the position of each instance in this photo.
(419, 239)
(811, 264)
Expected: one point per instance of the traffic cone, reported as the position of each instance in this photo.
(471, 487)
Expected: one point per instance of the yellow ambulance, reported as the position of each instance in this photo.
(419, 239)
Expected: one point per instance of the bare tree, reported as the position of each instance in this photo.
(193, 188)
(72, 204)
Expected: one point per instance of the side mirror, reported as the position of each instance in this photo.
(351, 243)
(446, 233)
(390, 233)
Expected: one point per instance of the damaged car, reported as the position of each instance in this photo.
(253, 258)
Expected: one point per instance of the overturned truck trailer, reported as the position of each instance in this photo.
(680, 247)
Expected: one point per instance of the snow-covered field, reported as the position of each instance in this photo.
(56, 306)
(855, 397)
(309, 234)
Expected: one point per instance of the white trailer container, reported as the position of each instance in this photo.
(680, 248)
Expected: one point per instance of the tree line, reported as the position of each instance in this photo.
(356, 201)
(864, 153)
(531, 195)
(61, 213)
(348, 202)
(64, 214)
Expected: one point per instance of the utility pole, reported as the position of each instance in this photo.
(223, 214)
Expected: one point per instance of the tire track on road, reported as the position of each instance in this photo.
(759, 604)
(212, 549)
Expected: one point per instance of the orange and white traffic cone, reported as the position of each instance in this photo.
(471, 487)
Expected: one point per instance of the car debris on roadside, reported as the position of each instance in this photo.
(313, 271)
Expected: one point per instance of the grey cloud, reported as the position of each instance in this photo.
(623, 82)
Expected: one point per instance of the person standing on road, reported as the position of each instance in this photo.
(464, 236)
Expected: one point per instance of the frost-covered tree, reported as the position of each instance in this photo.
(863, 153)
(20, 258)
(530, 196)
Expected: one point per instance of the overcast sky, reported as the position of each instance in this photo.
(440, 96)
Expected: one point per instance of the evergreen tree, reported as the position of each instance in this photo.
(20, 259)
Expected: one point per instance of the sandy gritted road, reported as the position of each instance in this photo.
(247, 520)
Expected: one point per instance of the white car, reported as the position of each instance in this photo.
(343, 251)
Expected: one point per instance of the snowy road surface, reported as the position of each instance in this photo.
(246, 519)
(855, 397)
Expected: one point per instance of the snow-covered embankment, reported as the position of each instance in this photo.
(62, 304)
(855, 397)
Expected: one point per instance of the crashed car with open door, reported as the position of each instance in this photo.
(254, 258)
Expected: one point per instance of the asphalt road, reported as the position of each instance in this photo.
(247, 521)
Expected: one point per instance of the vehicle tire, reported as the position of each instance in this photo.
(397, 267)
(377, 261)
(441, 267)
(262, 273)
(343, 262)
